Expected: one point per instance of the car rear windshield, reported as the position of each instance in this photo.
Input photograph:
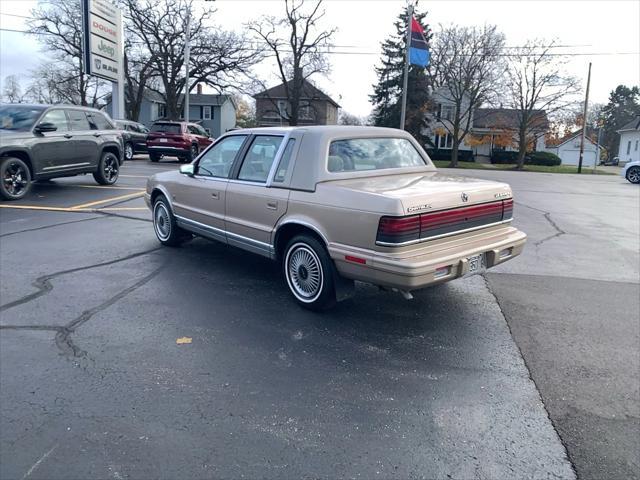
(166, 127)
(359, 154)
(18, 118)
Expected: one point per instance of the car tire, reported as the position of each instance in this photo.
(108, 169)
(193, 153)
(309, 273)
(633, 175)
(128, 151)
(15, 178)
(154, 157)
(165, 226)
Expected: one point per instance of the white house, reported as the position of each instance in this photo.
(568, 149)
(492, 129)
(629, 151)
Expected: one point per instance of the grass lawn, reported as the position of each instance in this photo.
(527, 168)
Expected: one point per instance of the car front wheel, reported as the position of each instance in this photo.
(309, 271)
(633, 175)
(15, 177)
(108, 169)
(128, 151)
(164, 224)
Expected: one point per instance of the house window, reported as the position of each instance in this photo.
(162, 110)
(444, 141)
(282, 108)
(629, 147)
(206, 112)
(306, 112)
(636, 149)
(447, 112)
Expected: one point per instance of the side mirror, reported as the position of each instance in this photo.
(188, 170)
(45, 127)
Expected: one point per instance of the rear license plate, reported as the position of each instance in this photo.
(163, 140)
(476, 264)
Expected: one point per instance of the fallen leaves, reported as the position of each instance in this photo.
(183, 340)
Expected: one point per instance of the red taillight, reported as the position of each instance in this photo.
(397, 230)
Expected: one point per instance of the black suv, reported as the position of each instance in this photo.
(134, 137)
(39, 142)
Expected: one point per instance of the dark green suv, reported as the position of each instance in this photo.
(40, 142)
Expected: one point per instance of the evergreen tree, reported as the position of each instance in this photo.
(623, 107)
(387, 93)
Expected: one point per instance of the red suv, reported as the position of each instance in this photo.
(176, 139)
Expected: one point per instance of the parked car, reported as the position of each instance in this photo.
(134, 137)
(40, 142)
(337, 204)
(183, 140)
(631, 171)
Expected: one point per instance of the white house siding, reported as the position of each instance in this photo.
(569, 152)
(629, 141)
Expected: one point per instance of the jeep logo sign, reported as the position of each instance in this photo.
(102, 26)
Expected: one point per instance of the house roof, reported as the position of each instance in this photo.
(194, 98)
(567, 138)
(309, 92)
(506, 118)
(632, 125)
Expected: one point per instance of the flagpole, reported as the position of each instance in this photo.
(405, 81)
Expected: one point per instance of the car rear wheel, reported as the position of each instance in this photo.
(16, 178)
(164, 224)
(309, 271)
(108, 169)
(633, 175)
(154, 157)
(128, 151)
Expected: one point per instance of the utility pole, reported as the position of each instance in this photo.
(187, 52)
(405, 81)
(584, 120)
(598, 147)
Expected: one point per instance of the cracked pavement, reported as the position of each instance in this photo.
(93, 385)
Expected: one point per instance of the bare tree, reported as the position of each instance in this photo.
(347, 118)
(466, 66)
(12, 91)
(298, 50)
(58, 26)
(536, 86)
(218, 58)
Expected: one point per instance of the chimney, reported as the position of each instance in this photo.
(199, 89)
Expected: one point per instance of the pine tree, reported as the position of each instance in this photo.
(387, 93)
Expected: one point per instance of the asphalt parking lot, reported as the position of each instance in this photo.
(530, 371)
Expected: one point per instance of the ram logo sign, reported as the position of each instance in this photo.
(102, 42)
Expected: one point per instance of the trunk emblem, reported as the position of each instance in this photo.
(464, 197)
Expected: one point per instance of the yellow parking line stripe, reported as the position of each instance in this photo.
(107, 200)
(69, 209)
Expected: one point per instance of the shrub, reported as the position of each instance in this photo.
(542, 158)
(501, 156)
(445, 154)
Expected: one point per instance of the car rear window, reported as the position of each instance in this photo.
(359, 154)
(166, 128)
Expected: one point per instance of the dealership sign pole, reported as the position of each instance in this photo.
(103, 48)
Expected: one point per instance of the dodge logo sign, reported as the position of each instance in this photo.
(464, 197)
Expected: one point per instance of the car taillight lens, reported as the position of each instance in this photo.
(397, 230)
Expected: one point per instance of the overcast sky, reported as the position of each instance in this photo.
(606, 33)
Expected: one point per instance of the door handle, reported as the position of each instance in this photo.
(96, 134)
(272, 205)
(67, 135)
(215, 195)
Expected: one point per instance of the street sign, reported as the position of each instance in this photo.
(102, 39)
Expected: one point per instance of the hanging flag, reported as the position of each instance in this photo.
(418, 52)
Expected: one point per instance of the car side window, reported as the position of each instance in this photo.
(58, 118)
(283, 166)
(78, 120)
(202, 131)
(217, 160)
(98, 121)
(193, 130)
(259, 159)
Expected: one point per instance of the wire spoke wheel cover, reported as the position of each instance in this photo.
(304, 272)
(161, 221)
